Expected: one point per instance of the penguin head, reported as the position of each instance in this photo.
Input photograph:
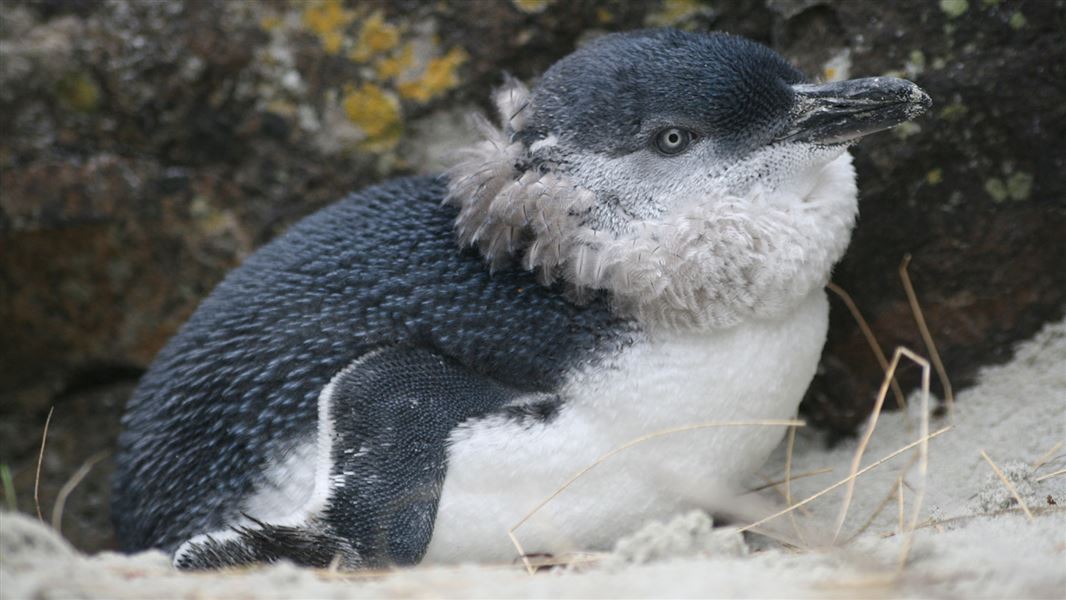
(620, 94)
(698, 179)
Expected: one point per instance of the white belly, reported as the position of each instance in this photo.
(497, 471)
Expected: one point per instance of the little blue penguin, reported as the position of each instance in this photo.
(641, 242)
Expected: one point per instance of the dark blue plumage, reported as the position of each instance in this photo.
(241, 380)
(608, 94)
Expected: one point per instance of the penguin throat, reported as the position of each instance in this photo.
(710, 263)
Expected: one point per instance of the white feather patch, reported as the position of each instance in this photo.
(710, 261)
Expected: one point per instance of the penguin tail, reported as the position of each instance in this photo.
(260, 542)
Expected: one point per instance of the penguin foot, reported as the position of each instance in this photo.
(264, 543)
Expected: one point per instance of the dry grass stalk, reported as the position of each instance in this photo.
(777, 487)
(888, 497)
(577, 559)
(1050, 475)
(773, 483)
(856, 461)
(927, 337)
(68, 487)
(521, 552)
(923, 458)
(871, 339)
(626, 446)
(8, 483)
(1047, 456)
(863, 471)
(40, 460)
(334, 565)
(870, 520)
(781, 537)
(899, 498)
(1010, 486)
(1037, 512)
(788, 485)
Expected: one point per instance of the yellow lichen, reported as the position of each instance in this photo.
(675, 12)
(838, 67)
(438, 77)
(328, 19)
(79, 92)
(906, 130)
(270, 22)
(375, 111)
(392, 66)
(954, 111)
(532, 6)
(282, 107)
(935, 176)
(604, 16)
(376, 37)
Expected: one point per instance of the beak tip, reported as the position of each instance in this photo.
(919, 100)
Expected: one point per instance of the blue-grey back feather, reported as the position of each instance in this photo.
(240, 381)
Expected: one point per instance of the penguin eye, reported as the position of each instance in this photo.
(673, 140)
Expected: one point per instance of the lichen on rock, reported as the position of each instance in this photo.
(684, 536)
(376, 111)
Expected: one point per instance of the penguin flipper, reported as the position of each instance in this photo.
(384, 425)
(391, 415)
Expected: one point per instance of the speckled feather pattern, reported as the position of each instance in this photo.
(237, 387)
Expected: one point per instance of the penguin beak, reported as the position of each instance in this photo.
(843, 111)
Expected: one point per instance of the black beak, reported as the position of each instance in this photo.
(843, 111)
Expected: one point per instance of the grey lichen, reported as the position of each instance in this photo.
(954, 8)
(1018, 186)
(687, 535)
(996, 189)
(995, 496)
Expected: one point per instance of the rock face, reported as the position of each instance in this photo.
(972, 190)
(148, 147)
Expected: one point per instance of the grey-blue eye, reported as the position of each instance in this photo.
(673, 140)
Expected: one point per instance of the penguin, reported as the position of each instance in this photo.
(641, 242)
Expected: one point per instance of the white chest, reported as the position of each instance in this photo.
(499, 471)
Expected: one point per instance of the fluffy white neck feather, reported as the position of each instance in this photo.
(710, 261)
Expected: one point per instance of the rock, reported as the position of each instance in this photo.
(148, 147)
(987, 265)
(24, 541)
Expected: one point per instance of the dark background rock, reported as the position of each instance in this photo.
(147, 147)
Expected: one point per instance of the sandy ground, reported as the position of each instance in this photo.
(970, 537)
